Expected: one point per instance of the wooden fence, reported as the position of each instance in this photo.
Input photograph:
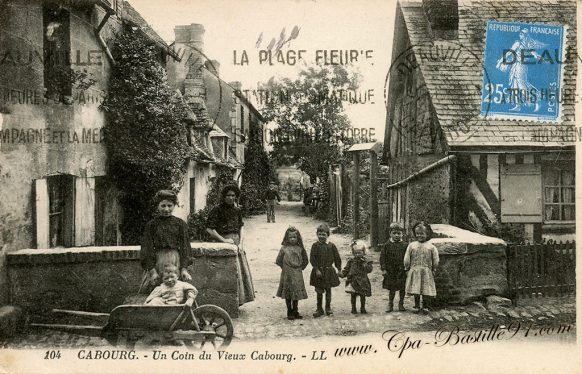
(538, 270)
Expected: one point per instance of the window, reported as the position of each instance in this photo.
(65, 211)
(242, 120)
(559, 194)
(60, 213)
(57, 51)
(192, 195)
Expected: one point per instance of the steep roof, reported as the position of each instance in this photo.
(454, 86)
(133, 17)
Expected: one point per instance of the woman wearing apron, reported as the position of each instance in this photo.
(165, 241)
(225, 225)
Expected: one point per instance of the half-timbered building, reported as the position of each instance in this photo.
(451, 163)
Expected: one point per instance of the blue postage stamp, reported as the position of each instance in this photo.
(523, 69)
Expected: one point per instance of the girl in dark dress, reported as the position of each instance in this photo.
(392, 265)
(165, 241)
(225, 224)
(356, 272)
(323, 276)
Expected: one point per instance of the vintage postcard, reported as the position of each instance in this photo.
(289, 186)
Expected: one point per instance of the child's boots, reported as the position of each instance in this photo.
(290, 311)
(363, 305)
(390, 306)
(296, 310)
(401, 305)
(319, 312)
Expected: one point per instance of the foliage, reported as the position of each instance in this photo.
(311, 120)
(197, 221)
(346, 226)
(256, 175)
(145, 133)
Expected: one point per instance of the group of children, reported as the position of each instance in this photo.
(406, 268)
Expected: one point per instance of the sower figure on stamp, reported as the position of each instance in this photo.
(392, 265)
(225, 224)
(165, 241)
(323, 276)
(271, 198)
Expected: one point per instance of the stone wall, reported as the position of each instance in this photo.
(472, 266)
(96, 279)
(24, 110)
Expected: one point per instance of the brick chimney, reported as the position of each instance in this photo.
(187, 74)
(213, 66)
(443, 18)
(236, 85)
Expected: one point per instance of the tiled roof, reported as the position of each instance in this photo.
(217, 132)
(132, 16)
(201, 113)
(202, 153)
(455, 86)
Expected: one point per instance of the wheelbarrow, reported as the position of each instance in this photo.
(128, 325)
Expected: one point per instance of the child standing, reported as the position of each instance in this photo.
(356, 272)
(392, 265)
(422, 260)
(165, 241)
(293, 260)
(323, 276)
(271, 198)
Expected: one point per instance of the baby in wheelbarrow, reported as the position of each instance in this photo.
(172, 291)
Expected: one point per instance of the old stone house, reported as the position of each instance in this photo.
(58, 209)
(225, 119)
(449, 164)
(52, 160)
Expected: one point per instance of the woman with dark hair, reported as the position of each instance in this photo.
(165, 241)
(225, 224)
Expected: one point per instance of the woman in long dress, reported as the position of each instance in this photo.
(225, 224)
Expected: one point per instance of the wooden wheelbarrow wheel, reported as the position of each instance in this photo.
(215, 319)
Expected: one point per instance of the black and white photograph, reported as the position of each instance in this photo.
(288, 186)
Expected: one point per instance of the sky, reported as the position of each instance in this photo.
(234, 27)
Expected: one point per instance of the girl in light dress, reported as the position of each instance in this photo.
(421, 261)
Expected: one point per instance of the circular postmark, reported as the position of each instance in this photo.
(458, 97)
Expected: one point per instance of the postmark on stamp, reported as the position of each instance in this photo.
(525, 63)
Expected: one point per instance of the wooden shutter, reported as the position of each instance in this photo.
(84, 211)
(41, 200)
(521, 193)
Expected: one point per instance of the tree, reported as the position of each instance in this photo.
(311, 121)
(256, 175)
(145, 132)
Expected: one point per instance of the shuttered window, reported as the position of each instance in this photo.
(64, 211)
(57, 50)
(521, 193)
(84, 212)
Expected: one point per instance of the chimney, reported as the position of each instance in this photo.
(190, 38)
(213, 66)
(236, 85)
(443, 18)
(192, 35)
